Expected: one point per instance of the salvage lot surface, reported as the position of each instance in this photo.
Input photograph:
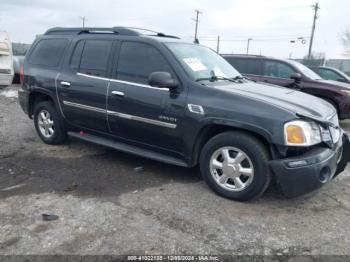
(106, 207)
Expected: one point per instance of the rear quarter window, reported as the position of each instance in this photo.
(48, 52)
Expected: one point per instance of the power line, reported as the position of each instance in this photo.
(316, 8)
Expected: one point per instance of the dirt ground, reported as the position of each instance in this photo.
(106, 207)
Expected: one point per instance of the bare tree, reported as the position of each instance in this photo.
(345, 39)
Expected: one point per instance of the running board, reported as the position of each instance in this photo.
(128, 149)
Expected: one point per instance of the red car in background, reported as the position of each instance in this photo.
(294, 75)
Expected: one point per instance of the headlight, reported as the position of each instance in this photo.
(302, 133)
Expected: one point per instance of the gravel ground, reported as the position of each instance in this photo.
(106, 207)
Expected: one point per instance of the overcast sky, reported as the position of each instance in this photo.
(272, 24)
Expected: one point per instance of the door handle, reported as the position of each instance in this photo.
(117, 93)
(65, 84)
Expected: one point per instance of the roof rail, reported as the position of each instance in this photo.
(154, 33)
(129, 31)
(242, 55)
(86, 30)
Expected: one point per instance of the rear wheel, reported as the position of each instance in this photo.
(48, 124)
(235, 166)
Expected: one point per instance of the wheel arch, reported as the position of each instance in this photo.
(38, 96)
(212, 129)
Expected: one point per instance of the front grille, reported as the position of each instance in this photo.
(335, 131)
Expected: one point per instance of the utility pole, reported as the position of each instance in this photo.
(196, 29)
(218, 45)
(248, 45)
(316, 7)
(83, 18)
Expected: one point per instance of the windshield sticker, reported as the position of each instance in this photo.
(218, 72)
(195, 64)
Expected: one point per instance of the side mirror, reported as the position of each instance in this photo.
(296, 77)
(162, 80)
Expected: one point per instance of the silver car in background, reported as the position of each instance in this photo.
(6, 60)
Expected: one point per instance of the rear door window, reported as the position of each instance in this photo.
(138, 60)
(95, 57)
(246, 66)
(329, 74)
(48, 52)
(277, 69)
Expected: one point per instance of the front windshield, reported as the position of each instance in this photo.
(201, 62)
(305, 70)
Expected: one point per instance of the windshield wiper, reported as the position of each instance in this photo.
(215, 78)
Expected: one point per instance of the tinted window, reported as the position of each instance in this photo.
(246, 66)
(94, 60)
(75, 59)
(329, 74)
(277, 69)
(48, 52)
(137, 61)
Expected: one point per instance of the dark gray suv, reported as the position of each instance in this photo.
(180, 103)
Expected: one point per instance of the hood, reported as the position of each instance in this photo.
(294, 101)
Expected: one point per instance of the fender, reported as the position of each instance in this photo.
(239, 125)
(39, 90)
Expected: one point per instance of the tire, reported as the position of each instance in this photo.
(46, 116)
(240, 146)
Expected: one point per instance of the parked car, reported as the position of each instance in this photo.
(331, 73)
(180, 103)
(17, 63)
(294, 75)
(6, 64)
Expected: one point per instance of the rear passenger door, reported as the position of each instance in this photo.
(82, 85)
(277, 73)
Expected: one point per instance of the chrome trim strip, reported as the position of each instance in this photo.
(91, 108)
(94, 77)
(121, 115)
(123, 82)
(141, 119)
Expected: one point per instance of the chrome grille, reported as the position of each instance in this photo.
(335, 132)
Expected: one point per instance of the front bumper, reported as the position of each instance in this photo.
(311, 170)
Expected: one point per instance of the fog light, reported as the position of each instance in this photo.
(298, 163)
(325, 174)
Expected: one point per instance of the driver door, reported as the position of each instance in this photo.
(138, 112)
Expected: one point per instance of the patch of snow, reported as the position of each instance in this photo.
(9, 93)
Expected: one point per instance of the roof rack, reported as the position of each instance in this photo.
(128, 31)
(87, 30)
(243, 55)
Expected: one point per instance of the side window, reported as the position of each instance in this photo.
(95, 56)
(277, 69)
(76, 56)
(48, 52)
(246, 66)
(137, 61)
(329, 75)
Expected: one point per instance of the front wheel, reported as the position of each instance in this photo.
(235, 166)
